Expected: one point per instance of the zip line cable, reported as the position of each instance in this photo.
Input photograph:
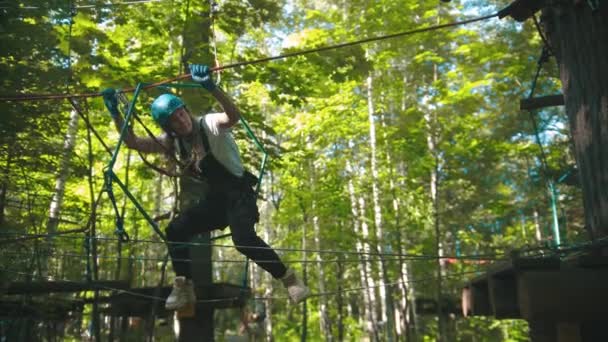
(225, 261)
(320, 251)
(136, 2)
(410, 257)
(33, 97)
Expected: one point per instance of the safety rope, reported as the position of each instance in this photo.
(213, 10)
(233, 299)
(409, 256)
(111, 178)
(33, 97)
(122, 98)
(474, 258)
(544, 56)
(83, 6)
(86, 120)
(72, 14)
(123, 236)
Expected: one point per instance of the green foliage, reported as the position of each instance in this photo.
(457, 88)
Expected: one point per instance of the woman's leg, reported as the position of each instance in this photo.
(205, 216)
(242, 216)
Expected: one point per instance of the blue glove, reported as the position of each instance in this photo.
(109, 99)
(202, 74)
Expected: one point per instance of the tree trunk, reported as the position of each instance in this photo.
(578, 38)
(325, 321)
(340, 299)
(538, 234)
(434, 185)
(385, 293)
(266, 211)
(60, 182)
(92, 273)
(368, 273)
(304, 326)
(64, 165)
(368, 307)
(5, 180)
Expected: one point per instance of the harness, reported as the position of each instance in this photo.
(212, 170)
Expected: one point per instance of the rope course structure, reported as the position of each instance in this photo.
(78, 103)
(454, 275)
(34, 97)
(122, 3)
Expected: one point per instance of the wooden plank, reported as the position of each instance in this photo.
(502, 285)
(529, 264)
(566, 295)
(541, 102)
(140, 302)
(518, 264)
(48, 310)
(495, 292)
(44, 287)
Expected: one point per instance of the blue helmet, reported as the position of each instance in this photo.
(164, 106)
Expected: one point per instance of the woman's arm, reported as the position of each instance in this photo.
(231, 115)
(159, 144)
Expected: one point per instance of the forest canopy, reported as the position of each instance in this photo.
(392, 163)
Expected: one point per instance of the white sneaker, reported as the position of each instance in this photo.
(182, 294)
(295, 287)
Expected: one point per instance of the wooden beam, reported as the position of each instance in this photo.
(495, 292)
(541, 102)
(566, 295)
(521, 10)
(503, 296)
(44, 287)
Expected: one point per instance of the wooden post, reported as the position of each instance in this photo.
(200, 327)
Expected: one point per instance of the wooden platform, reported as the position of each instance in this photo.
(44, 287)
(119, 299)
(139, 302)
(46, 310)
(540, 289)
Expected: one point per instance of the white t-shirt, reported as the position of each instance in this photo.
(224, 149)
(222, 144)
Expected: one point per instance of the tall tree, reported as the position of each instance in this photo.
(578, 36)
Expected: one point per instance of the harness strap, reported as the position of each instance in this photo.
(204, 135)
(205, 139)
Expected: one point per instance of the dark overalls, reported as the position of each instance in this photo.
(230, 201)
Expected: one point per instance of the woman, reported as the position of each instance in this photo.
(220, 190)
